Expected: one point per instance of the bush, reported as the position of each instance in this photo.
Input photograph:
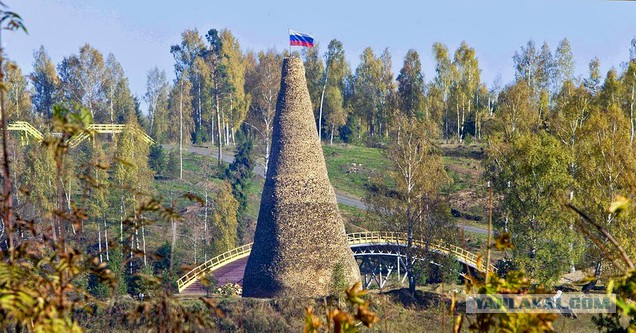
(157, 159)
(172, 164)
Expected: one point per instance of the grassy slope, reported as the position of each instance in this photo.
(199, 176)
(351, 168)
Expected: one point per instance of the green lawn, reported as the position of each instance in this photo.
(199, 173)
(351, 168)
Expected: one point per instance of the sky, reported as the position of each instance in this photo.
(139, 32)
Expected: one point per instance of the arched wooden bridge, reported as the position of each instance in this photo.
(29, 131)
(228, 267)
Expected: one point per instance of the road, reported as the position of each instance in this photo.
(228, 157)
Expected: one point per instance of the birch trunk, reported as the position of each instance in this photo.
(181, 130)
(331, 139)
(106, 240)
(219, 130)
(174, 243)
(205, 228)
(322, 98)
(631, 115)
(143, 241)
(99, 241)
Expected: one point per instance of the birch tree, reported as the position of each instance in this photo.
(18, 96)
(219, 86)
(530, 174)
(179, 121)
(629, 96)
(468, 82)
(414, 205)
(443, 81)
(82, 78)
(236, 100)
(156, 98)
(264, 85)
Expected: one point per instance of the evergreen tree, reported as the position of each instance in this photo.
(239, 173)
(157, 159)
(388, 108)
(410, 92)
(45, 83)
(337, 70)
(368, 92)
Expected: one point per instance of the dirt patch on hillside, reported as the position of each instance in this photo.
(469, 201)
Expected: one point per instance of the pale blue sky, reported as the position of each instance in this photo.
(140, 32)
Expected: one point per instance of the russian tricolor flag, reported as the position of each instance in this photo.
(300, 39)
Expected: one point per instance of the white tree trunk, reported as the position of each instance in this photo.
(631, 115)
(219, 130)
(174, 243)
(181, 131)
(322, 98)
(143, 238)
(205, 228)
(99, 241)
(331, 138)
(106, 241)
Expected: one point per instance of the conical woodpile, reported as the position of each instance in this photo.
(300, 235)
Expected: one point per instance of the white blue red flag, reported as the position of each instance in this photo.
(300, 39)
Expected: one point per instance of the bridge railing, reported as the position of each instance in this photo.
(26, 128)
(193, 275)
(401, 239)
(369, 237)
(108, 129)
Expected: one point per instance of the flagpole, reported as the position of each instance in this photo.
(289, 34)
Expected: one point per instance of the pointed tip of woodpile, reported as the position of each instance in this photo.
(300, 235)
